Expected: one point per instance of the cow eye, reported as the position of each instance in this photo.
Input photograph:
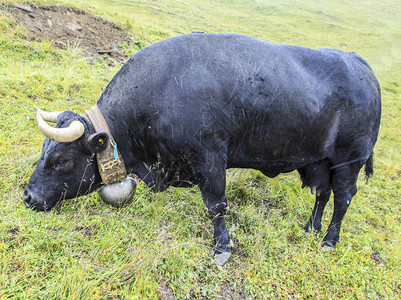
(64, 165)
(61, 163)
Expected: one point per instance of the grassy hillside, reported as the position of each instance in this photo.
(160, 244)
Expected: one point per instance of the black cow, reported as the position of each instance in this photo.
(184, 110)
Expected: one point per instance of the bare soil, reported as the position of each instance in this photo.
(165, 291)
(228, 292)
(67, 27)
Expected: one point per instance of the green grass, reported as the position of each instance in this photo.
(85, 249)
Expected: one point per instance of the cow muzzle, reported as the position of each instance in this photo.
(34, 201)
(27, 198)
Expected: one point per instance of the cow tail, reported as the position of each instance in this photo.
(369, 167)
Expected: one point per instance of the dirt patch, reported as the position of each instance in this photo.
(14, 231)
(165, 291)
(87, 231)
(228, 292)
(66, 27)
(376, 258)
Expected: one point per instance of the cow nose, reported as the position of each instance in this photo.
(27, 199)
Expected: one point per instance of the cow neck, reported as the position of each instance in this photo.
(110, 162)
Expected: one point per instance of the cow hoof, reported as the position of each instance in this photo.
(328, 247)
(222, 258)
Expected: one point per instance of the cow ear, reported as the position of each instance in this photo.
(98, 142)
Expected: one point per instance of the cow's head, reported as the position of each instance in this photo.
(66, 167)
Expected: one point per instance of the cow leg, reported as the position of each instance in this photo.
(317, 212)
(317, 177)
(212, 185)
(344, 188)
(221, 239)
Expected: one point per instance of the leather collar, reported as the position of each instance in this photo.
(110, 162)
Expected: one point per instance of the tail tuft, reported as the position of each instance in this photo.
(369, 167)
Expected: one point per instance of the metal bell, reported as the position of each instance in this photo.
(118, 194)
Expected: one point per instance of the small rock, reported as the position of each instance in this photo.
(74, 27)
(61, 44)
(25, 8)
(104, 51)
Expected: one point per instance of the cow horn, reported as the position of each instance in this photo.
(47, 116)
(65, 135)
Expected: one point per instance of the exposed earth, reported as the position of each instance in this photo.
(67, 27)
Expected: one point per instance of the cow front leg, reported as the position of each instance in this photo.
(212, 186)
(221, 240)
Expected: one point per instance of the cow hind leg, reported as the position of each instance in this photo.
(211, 181)
(317, 177)
(343, 183)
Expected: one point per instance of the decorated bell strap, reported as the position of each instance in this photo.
(110, 162)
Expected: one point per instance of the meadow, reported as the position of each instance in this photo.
(160, 244)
